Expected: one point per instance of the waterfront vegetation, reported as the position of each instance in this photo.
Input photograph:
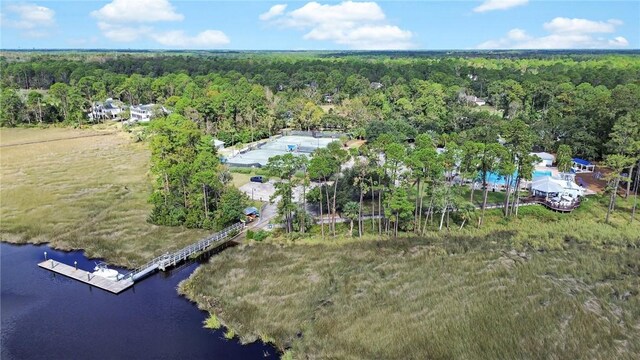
(82, 189)
(457, 295)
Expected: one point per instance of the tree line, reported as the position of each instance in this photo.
(393, 185)
(244, 98)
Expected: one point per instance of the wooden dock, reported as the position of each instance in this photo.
(162, 263)
(86, 277)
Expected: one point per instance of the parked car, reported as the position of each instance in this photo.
(258, 179)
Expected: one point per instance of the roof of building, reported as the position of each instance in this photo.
(217, 142)
(145, 107)
(251, 210)
(581, 161)
(544, 155)
(547, 185)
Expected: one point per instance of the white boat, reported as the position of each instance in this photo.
(102, 270)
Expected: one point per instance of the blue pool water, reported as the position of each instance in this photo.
(493, 178)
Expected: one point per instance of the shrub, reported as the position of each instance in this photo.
(257, 235)
(212, 322)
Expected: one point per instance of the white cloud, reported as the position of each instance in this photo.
(31, 19)
(275, 10)
(131, 20)
(618, 41)
(123, 33)
(490, 5)
(178, 39)
(357, 25)
(137, 11)
(580, 26)
(565, 33)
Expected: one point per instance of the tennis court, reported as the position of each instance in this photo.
(295, 144)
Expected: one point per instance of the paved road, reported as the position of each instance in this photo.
(267, 213)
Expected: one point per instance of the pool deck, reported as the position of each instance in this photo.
(86, 277)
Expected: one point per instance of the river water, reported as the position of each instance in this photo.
(47, 316)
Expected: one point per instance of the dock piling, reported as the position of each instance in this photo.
(75, 264)
(45, 256)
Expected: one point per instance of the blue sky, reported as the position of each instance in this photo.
(320, 25)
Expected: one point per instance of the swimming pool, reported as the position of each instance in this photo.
(493, 178)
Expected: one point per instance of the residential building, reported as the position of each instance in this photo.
(107, 110)
(144, 113)
(475, 100)
(376, 85)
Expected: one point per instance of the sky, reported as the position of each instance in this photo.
(320, 25)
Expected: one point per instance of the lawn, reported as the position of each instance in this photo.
(82, 191)
(238, 179)
(496, 197)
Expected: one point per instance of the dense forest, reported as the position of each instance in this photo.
(488, 113)
(571, 99)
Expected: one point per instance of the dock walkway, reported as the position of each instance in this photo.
(162, 262)
(86, 277)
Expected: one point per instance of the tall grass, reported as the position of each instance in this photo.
(417, 299)
(81, 192)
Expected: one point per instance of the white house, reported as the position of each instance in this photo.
(144, 113)
(376, 85)
(107, 110)
(547, 159)
(472, 99)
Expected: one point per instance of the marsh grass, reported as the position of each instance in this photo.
(417, 299)
(543, 285)
(212, 322)
(82, 193)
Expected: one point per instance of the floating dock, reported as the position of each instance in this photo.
(162, 263)
(86, 277)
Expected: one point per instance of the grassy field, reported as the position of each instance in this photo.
(83, 189)
(545, 285)
(238, 179)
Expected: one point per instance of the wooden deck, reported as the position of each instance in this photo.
(86, 277)
(550, 205)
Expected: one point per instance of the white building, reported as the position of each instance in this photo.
(107, 110)
(472, 99)
(547, 158)
(556, 186)
(144, 113)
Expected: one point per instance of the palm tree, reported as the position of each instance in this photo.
(465, 210)
(350, 211)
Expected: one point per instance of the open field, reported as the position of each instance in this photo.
(81, 191)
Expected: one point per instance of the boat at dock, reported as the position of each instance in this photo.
(102, 270)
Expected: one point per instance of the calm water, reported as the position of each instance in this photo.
(47, 316)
